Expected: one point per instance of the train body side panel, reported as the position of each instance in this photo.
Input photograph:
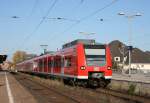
(70, 62)
(81, 62)
(108, 73)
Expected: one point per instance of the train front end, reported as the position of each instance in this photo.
(94, 63)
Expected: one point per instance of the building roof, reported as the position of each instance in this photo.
(138, 56)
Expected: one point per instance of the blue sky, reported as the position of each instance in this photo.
(20, 33)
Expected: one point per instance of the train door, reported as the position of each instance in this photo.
(35, 66)
(41, 64)
(57, 64)
(45, 64)
(68, 65)
(38, 68)
(50, 64)
(62, 64)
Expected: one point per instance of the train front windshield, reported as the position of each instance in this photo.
(95, 55)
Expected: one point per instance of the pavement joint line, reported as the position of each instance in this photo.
(10, 96)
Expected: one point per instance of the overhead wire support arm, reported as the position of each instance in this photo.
(67, 19)
(92, 14)
(129, 18)
(88, 16)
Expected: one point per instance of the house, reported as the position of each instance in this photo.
(140, 60)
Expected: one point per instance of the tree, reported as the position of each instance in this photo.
(19, 56)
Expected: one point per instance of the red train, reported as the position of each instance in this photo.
(82, 62)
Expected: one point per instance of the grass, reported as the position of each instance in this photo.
(131, 89)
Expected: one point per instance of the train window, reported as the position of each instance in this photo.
(67, 62)
(95, 60)
(95, 55)
(95, 51)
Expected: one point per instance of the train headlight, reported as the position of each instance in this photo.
(82, 67)
(108, 68)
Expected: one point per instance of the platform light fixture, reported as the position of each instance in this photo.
(130, 17)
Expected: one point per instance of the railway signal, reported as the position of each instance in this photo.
(2, 58)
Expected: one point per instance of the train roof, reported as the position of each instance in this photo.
(84, 41)
(37, 57)
(70, 44)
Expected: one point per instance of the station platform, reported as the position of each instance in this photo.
(12, 92)
(141, 78)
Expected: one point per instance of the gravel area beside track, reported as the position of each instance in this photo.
(42, 93)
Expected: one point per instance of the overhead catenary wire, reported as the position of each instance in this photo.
(90, 15)
(34, 7)
(60, 18)
(87, 17)
(79, 4)
(71, 26)
(81, 1)
(98, 10)
(29, 16)
(39, 24)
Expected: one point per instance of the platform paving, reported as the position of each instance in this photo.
(12, 92)
(133, 77)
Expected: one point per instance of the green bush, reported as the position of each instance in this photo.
(131, 89)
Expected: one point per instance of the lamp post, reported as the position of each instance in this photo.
(130, 17)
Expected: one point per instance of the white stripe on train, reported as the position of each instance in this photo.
(71, 76)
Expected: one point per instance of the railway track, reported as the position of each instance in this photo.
(84, 95)
(46, 91)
